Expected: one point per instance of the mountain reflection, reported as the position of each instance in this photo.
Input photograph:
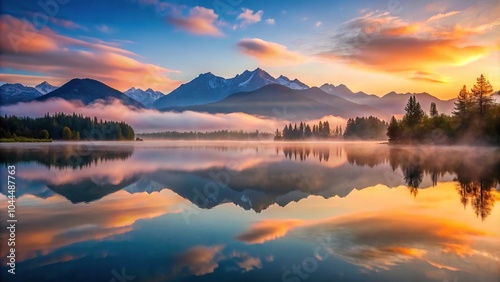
(256, 176)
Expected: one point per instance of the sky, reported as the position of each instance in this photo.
(370, 46)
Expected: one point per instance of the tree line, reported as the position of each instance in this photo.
(61, 126)
(370, 128)
(358, 128)
(475, 119)
(305, 131)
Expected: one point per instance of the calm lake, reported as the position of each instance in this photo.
(249, 211)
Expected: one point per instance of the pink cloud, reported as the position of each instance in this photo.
(67, 24)
(58, 57)
(269, 53)
(200, 21)
(248, 17)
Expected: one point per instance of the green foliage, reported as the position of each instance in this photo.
(370, 128)
(78, 128)
(475, 120)
(433, 111)
(304, 131)
(481, 93)
(464, 107)
(43, 134)
(66, 135)
(394, 130)
(414, 113)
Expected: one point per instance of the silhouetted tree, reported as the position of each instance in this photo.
(481, 93)
(393, 131)
(433, 112)
(414, 113)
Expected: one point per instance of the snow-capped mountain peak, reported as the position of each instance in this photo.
(45, 87)
(293, 84)
(146, 97)
(208, 88)
(16, 92)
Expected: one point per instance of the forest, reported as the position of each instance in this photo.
(370, 128)
(304, 131)
(209, 135)
(61, 126)
(475, 120)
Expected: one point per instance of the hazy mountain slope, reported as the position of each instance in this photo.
(88, 91)
(282, 102)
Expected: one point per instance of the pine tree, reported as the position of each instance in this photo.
(433, 111)
(463, 106)
(414, 113)
(308, 132)
(481, 93)
(393, 131)
(286, 135)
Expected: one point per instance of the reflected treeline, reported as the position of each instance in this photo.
(477, 172)
(64, 156)
(301, 153)
(478, 194)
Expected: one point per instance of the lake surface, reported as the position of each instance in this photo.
(246, 211)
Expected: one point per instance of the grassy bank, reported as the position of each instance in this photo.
(23, 139)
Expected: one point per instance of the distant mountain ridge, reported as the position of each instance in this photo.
(146, 97)
(16, 92)
(89, 91)
(279, 101)
(202, 92)
(392, 102)
(208, 88)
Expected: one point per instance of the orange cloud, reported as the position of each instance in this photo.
(61, 58)
(199, 260)
(245, 261)
(71, 223)
(200, 21)
(382, 240)
(269, 53)
(429, 77)
(267, 230)
(382, 42)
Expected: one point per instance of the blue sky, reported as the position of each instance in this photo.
(160, 44)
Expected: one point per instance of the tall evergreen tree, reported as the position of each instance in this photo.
(433, 112)
(393, 131)
(308, 132)
(481, 93)
(463, 106)
(414, 113)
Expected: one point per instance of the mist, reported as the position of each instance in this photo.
(151, 120)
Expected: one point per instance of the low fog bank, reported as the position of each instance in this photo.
(150, 120)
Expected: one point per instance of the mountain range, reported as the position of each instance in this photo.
(208, 88)
(146, 97)
(254, 92)
(279, 101)
(391, 102)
